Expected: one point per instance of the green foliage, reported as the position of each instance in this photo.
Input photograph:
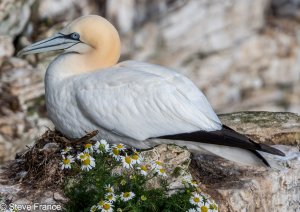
(87, 189)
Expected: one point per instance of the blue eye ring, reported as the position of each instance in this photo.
(75, 36)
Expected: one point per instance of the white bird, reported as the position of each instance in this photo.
(139, 104)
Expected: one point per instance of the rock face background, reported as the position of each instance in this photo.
(243, 54)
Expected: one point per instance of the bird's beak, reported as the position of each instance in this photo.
(57, 42)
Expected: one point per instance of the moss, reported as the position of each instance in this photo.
(176, 172)
(261, 118)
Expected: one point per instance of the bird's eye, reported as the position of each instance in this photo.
(75, 36)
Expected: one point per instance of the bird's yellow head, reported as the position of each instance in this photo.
(92, 37)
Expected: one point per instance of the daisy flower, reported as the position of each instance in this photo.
(125, 196)
(127, 161)
(157, 164)
(161, 172)
(66, 163)
(204, 208)
(119, 146)
(88, 163)
(82, 156)
(196, 199)
(109, 189)
(66, 150)
(213, 207)
(115, 153)
(101, 146)
(189, 180)
(193, 210)
(194, 183)
(136, 158)
(93, 208)
(106, 206)
(143, 169)
(110, 197)
(88, 148)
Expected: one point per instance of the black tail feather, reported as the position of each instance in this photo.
(261, 158)
(260, 147)
(227, 137)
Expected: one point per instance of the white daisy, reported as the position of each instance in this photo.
(196, 199)
(111, 197)
(119, 146)
(66, 163)
(193, 210)
(83, 155)
(87, 162)
(189, 180)
(115, 153)
(161, 172)
(127, 161)
(93, 208)
(137, 158)
(125, 196)
(109, 189)
(194, 183)
(157, 164)
(213, 207)
(106, 206)
(66, 150)
(143, 169)
(88, 148)
(101, 146)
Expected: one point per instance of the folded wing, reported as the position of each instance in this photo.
(131, 101)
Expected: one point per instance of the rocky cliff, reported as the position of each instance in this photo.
(232, 186)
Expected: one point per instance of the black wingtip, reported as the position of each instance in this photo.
(271, 150)
(260, 147)
(261, 158)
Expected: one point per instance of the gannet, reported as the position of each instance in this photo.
(136, 103)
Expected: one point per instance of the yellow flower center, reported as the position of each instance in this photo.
(158, 163)
(109, 190)
(87, 146)
(127, 160)
(119, 146)
(66, 161)
(213, 206)
(86, 162)
(162, 171)
(126, 194)
(196, 199)
(144, 168)
(143, 198)
(106, 206)
(204, 209)
(116, 151)
(84, 156)
(135, 157)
